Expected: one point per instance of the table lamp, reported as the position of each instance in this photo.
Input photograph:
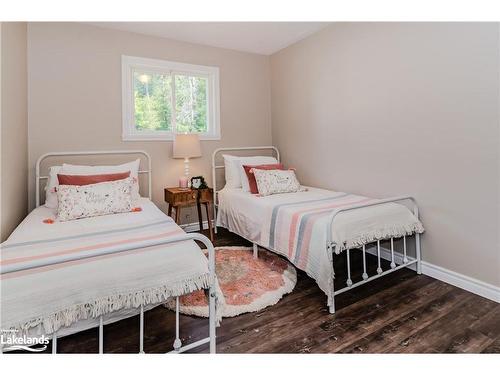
(186, 146)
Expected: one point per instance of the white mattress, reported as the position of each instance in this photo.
(32, 228)
(241, 212)
(248, 215)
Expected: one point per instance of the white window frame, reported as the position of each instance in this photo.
(131, 63)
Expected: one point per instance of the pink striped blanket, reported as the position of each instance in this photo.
(44, 299)
(298, 229)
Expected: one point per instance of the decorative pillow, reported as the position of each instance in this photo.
(250, 160)
(76, 202)
(51, 187)
(276, 181)
(251, 177)
(234, 172)
(67, 179)
(132, 167)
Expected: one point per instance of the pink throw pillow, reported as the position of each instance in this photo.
(251, 177)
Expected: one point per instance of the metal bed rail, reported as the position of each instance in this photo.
(178, 348)
(332, 247)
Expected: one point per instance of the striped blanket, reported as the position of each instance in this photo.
(44, 299)
(298, 230)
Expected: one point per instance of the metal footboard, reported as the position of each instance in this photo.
(406, 262)
(178, 347)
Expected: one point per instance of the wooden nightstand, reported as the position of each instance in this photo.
(178, 198)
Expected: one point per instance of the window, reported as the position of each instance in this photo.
(161, 98)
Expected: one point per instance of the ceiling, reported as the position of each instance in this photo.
(264, 38)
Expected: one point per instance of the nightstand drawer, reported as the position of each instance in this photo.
(179, 197)
(206, 195)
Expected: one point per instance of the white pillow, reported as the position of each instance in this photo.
(82, 170)
(51, 187)
(235, 173)
(104, 198)
(232, 173)
(252, 160)
(276, 181)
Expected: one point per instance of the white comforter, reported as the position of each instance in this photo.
(46, 299)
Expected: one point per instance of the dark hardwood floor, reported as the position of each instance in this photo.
(400, 313)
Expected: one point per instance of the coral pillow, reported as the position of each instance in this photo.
(66, 179)
(251, 176)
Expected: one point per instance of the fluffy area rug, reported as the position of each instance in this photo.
(248, 284)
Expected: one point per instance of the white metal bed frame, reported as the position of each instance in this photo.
(177, 345)
(331, 246)
(38, 178)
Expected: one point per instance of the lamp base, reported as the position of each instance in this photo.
(184, 181)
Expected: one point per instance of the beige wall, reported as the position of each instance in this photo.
(389, 109)
(14, 128)
(375, 109)
(75, 95)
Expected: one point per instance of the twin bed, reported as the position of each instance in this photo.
(62, 277)
(59, 278)
(309, 227)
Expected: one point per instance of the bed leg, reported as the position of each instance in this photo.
(211, 319)
(330, 250)
(215, 214)
(141, 331)
(419, 255)
(177, 341)
(331, 308)
(101, 336)
(54, 343)
(255, 251)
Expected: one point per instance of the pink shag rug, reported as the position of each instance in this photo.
(248, 284)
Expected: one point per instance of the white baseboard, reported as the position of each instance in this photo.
(470, 284)
(467, 283)
(194, 227)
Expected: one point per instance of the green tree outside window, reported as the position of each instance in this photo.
(153, 102)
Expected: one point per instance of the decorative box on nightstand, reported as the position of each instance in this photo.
(178, 198)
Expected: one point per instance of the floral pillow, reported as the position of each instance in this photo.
(276, 181)
(76, 202)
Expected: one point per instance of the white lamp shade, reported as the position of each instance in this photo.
(187, 146)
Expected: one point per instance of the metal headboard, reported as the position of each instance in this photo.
(215, 167)
(38, 178)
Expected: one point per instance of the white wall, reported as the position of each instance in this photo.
(384, 109)
(14, 129)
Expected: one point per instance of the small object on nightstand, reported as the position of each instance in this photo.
(198, 182)
(178, 198)
(183, 183)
